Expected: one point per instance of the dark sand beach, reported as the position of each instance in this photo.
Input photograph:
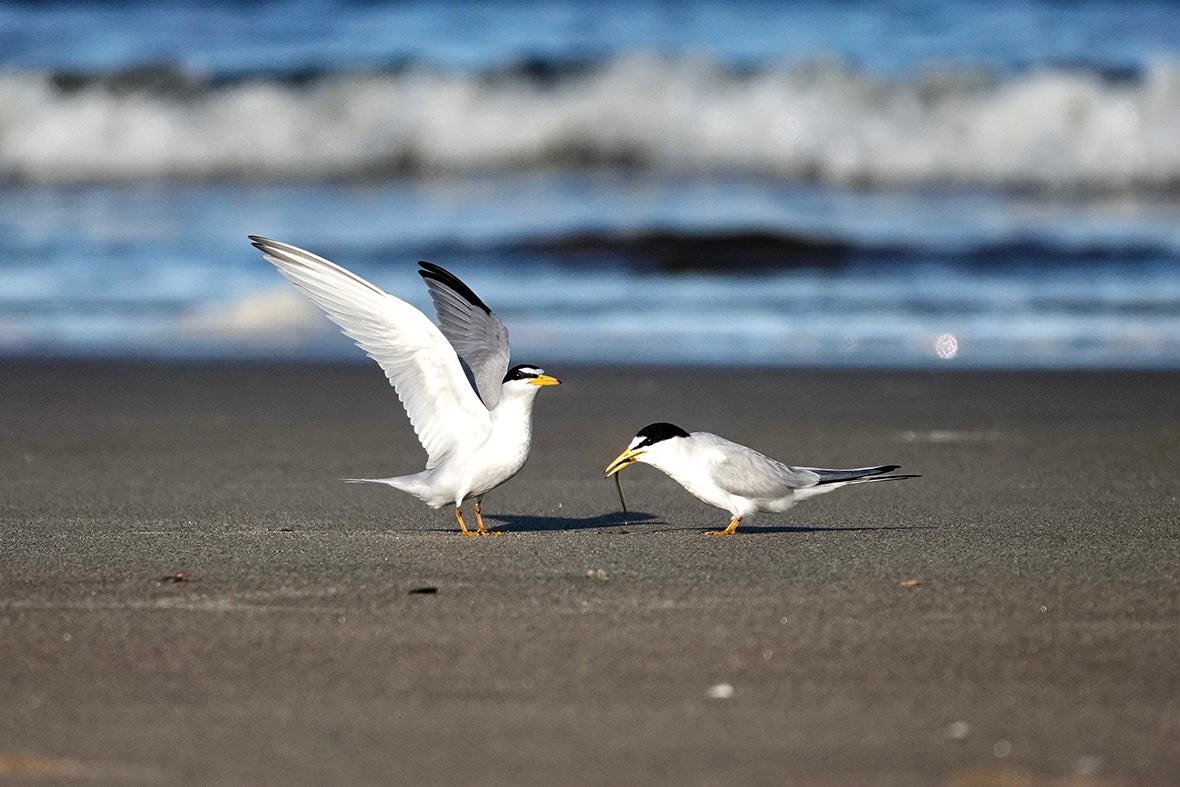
(1039, 646)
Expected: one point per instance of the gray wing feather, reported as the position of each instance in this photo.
(479, 338)
(743, 471)
(829, 475)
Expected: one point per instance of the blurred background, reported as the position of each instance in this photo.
(896, 183)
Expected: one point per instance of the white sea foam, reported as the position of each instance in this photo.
(825, 122)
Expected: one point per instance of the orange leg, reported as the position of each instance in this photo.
(728, 531)
(483, 531)
(462, 527)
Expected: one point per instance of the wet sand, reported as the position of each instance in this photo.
(1039, 645)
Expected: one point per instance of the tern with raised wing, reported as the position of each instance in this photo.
(472, 414)
(731, 476)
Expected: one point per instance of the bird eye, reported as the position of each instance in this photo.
(522, 373)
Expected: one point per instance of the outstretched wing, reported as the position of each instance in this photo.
(477, 334)
(416, 357)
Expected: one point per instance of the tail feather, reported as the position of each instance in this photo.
(416, 484)
(406, 483)
(397, 480)
(871, 479)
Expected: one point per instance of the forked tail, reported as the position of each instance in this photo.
(414, 484)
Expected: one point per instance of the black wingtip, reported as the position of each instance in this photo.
(447, 279)
(856, 475)
(259, 242)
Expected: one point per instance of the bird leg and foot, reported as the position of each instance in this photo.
(462, 526)
(728, 531)
(483, 531)
(480, 530)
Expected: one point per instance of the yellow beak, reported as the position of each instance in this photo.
(621, 461)
(544, 379)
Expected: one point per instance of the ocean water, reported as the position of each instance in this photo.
(880, 183)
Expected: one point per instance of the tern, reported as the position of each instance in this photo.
(731, 476)
(472, 414)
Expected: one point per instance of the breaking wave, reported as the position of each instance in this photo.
(752, 251)
(828, 123)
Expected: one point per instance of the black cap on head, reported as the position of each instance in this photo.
(523, 371)
(655, 433)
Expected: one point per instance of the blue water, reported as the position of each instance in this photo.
(938, 184)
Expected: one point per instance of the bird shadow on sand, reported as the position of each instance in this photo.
(755, 529)
(518, 523)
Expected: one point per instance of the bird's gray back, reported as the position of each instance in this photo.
(742, 471)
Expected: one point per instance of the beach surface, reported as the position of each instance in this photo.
(188, 592)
